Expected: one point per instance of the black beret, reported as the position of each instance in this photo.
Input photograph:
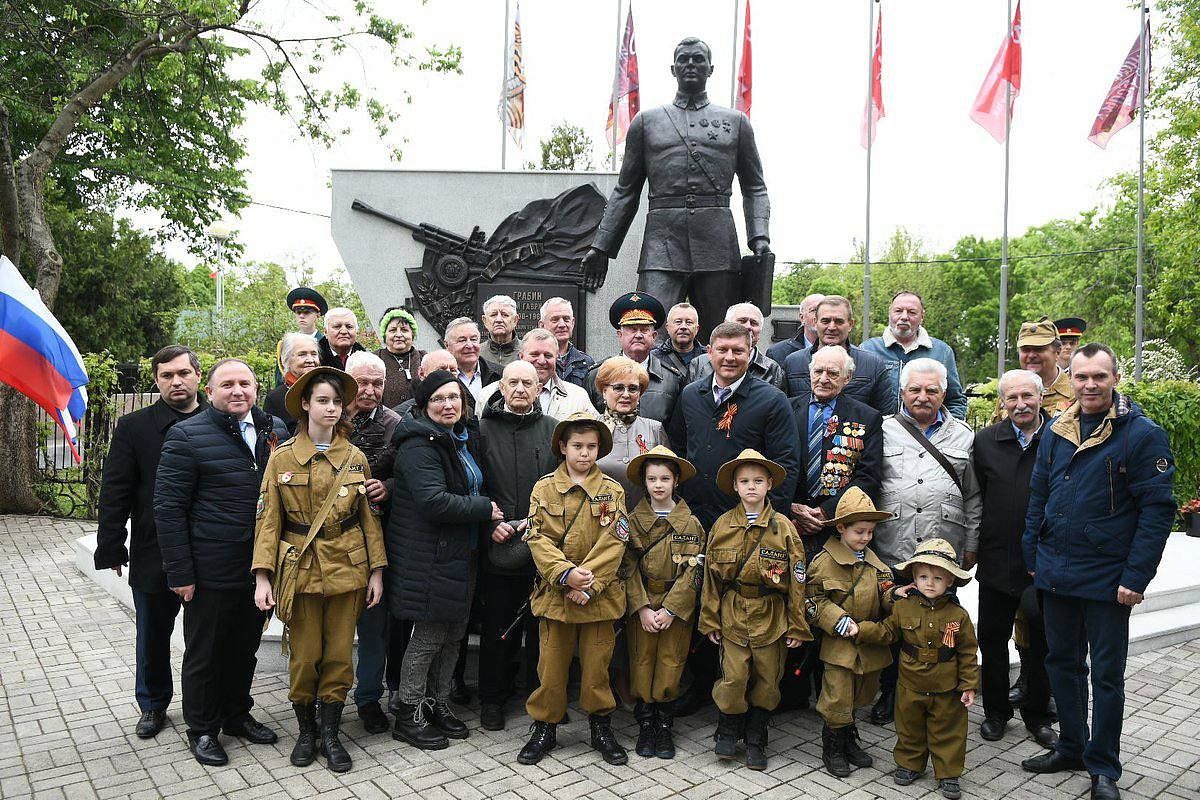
(434, 381)
(637, 308)
(302, 296)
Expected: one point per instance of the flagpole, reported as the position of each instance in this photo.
(733, 67)
(1002, 337)
(866, 318)
(504, 55)
(616, 66)
(1139, 300)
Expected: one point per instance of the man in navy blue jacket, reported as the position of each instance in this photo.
(1100, 510)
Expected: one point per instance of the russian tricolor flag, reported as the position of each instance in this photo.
(37, 357)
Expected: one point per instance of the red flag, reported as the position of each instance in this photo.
(991, 109)
(745, 72)
(1125, 97)
(874, 110)
(625, 102)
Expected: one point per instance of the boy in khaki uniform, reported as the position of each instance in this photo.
(938, 668)
(752, 603)
(577, 534)
(847, 585)
(664, 556)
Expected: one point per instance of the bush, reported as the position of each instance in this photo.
(262, 362)
(1175, 405)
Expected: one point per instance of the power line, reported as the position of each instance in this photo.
(817, 263)
(291, 210)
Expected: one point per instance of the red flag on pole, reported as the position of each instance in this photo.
(994, 104)
(746, 71)
(1125, 97)
(874, 110)
(625, 101)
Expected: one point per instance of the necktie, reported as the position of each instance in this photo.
(723, 393)
(816, 437)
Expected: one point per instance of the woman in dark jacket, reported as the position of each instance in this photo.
(438, 507)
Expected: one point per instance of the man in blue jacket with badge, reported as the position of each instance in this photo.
(1100, 510)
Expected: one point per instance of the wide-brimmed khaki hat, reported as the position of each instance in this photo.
(748, 456)
(856, 506)
(659, 453)
(295, 394)
(937, 553)
(574, 419)
(1037, 334)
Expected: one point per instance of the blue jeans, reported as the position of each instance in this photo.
(373, 625)
(1076, 627)
(154, 615)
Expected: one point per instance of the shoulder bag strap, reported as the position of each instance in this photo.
(737, 574)
(326, 506)
(693, 155)
(933, 451)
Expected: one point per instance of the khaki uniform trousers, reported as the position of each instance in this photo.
(321, 638)
(558, 640)
(749, 676)
(1021, 630)
(656, 659)
(843, 691)
(933, 727)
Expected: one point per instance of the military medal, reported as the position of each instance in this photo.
(362, 489)
(775, 571)
(285, 477)
(342, 492)
(832, 426)
(605, 515)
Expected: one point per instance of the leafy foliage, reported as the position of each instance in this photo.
(568, 149)
(1175, 405)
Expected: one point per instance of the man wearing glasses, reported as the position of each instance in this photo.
(637, 316)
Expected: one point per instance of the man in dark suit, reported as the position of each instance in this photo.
(127, 496)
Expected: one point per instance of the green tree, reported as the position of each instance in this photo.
(569, 149)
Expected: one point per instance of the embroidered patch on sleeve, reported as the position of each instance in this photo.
(262, 505)
(810, 608)
(621, 529)
(798, 572)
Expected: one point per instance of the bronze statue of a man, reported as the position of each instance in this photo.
(689, 151)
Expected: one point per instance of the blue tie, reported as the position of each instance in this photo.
(723, 393)
(816, 437)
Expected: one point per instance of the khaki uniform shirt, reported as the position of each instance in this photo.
(772, 559)
(577, 525)
(296, 482)
(840, 585)
(664, 561)
(922, 623)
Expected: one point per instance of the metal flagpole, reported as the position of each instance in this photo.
(733, 67)
(613, 96)
(1139, 300)
(866, 318)
(504, 56)
(1002, 337)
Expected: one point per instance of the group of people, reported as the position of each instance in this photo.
(694, 521)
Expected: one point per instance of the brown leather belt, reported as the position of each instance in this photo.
(929, 655)
(658, 586)
(330, 530)
(690, 201)
(752, 591)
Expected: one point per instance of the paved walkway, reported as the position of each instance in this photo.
(66, 678)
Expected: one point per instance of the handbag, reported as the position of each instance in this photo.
(513, 554)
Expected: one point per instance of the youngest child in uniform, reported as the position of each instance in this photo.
(939, 671)
(751, 604)
(665, 552)
(847, 586)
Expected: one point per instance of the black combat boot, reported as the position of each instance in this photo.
(884, 710)
(447, 721)
(853, 748)
(664, 741)
(413, 725)
(305, 751)
(645, 715)
(756, 738)
(729, 726)
(833, 752)
(542, 739)
(336, 757)
(605, 741)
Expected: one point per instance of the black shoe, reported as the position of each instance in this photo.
(949, 788)
(150, 723)
(207, 750)
(691, 701)
(884, 710)
(1018, 695)
(833, 752)
(329, 744)
(905, 777)
(853, 749)
(542, 740)
(1044, 735)
(414, 727)
(664, 739)
(605, 741)
(992, 729)
(461, 694)
(756, 738)
(393, 706)
(373, 718)
(251, 730)
(491, 717)
(1104, 788)
(647, 720)
(728, 730)
(447, 722)
(1051, 761)
(305, 751)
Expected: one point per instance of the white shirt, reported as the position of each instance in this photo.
(474, 384)
(732, 388)
(249, 434)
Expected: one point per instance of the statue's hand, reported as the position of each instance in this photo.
(760, 246)
(595, 269)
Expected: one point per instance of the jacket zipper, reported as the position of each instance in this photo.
(1112, 503)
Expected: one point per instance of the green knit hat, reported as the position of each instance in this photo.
(397, 312)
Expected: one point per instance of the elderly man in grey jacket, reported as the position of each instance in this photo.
(928, 485)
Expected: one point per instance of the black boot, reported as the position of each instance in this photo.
(726, 736)
(542, 739)
(447, 722)
(853, 749)
(884, 710)
(645, 715)
(413, 726)
(833, 752)
(305, 751)
(756, 738)
(336, 757)
(1018, 695)
(664, 741)
(605, 741)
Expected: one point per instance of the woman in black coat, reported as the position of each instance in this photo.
(438, 507)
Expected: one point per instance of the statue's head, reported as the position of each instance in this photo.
(693, 65)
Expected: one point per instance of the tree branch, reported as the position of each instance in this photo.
(10, 214)
(312, 101)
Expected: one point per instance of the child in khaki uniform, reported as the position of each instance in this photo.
(848, 585)
(752, 603)
(664, 557)
(577, 534)
(938, 668)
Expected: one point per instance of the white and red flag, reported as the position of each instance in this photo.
(1126, 96)
(512, 101)
(746, 70)
(625, 100)
(994, 103)
(874, 110)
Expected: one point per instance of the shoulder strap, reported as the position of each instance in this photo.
(694, 155)
(326, 506)
(933, 451)
(737, 573)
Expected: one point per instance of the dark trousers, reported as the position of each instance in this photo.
(1081, 628)
(997, 610)
(399, 632)
(373, 639)
(501, 598)
(710, 292)
(154, 616)
(221, 633)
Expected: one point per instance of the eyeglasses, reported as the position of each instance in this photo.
(621, 388)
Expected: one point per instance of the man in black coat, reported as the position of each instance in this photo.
(1004, 456)
(127, 496)
(205, 495)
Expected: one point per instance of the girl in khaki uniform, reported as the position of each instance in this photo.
(664, 557)
(339, 572)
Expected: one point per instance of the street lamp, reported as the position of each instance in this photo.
(219, 234)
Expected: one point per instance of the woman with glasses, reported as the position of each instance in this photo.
(621, 382)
